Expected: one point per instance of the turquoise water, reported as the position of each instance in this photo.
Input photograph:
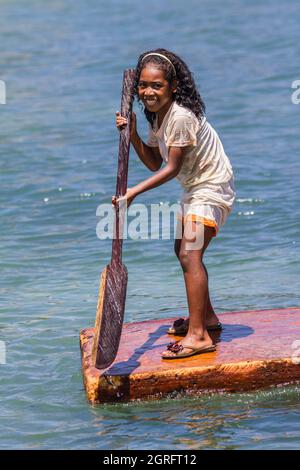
(62, 63)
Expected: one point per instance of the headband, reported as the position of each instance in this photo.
(160, 55)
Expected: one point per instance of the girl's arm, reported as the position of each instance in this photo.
(172, 168)
(150, 156)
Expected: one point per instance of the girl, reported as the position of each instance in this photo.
(180, 135)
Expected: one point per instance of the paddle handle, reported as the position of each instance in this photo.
(123, 159)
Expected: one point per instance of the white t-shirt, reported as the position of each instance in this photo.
(206, 162)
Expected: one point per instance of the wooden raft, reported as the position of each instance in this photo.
(256, 349)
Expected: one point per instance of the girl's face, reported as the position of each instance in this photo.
(154, 90)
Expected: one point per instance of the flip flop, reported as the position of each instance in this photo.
(177, 348)
(216, 327)
(180, 328)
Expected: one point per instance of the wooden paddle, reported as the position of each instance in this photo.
(113, 283)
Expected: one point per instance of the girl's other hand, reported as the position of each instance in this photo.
(129, 196)
(122, 121)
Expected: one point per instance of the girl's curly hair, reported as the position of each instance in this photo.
(186, 94)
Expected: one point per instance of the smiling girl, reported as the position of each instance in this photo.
(181, 137)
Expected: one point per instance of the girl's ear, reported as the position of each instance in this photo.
(174, 86)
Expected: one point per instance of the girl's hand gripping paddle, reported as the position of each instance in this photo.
(113, 284)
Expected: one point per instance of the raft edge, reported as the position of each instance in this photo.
(227, 377)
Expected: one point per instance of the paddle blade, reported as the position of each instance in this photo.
(110, 314)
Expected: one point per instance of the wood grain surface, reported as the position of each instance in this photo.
(256, 349)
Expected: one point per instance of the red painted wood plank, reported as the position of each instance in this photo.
(255, 349)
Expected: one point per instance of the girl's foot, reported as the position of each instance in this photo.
(181, 326)
(188, 347)
(211, 318)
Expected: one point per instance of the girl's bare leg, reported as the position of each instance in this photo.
(211, 317)
(196, 283)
